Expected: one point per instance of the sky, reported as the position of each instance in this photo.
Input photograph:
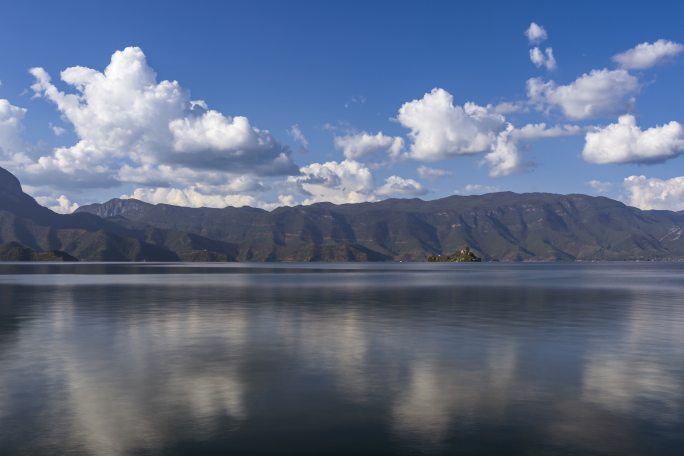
(278, 103)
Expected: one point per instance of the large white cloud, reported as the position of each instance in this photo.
(196, 188)
(134, 129)
(595, 94)
(123, 115)
(653, 193)
(625, 142)
(190, 197)
(440, 130)
(215, 141)
(647, 55)
(358, 145)
(347, 181)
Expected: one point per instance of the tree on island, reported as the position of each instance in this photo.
(465, 255)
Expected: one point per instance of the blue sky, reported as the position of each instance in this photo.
(342, 73)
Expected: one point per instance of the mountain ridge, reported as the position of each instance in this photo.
(88, 237)
(504, 226)
(497, 226)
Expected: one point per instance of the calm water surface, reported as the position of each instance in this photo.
(538, 359)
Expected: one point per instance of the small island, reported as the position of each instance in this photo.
(465, 255)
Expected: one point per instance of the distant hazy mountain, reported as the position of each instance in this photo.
(496, 226)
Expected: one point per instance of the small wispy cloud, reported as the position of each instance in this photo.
(356, 99)
(296, 133)
(476, 189)
(600, 186)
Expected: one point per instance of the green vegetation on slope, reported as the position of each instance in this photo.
(498, 226)
(13, 251)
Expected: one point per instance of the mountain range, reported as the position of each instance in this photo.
(502, 226)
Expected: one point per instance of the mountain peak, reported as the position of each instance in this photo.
(115, 207)
(9, 184)
(501, 226)
(13, 198)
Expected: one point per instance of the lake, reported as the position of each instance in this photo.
(489, 358)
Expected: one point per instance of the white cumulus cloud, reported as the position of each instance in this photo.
(347, 181)
(61, 204)
(124, 115)
(543, 59)
(355, 146)
(536, 33)
(595, 94)
(440, 130)
(189, 197)
(399, 186)
(647, 55)
(183, 186)
(504, 158)
(653, 193)
(215, 141)
(625, 142)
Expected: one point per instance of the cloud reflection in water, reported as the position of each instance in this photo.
(98, 369)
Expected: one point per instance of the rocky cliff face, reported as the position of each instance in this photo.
(129, 208)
